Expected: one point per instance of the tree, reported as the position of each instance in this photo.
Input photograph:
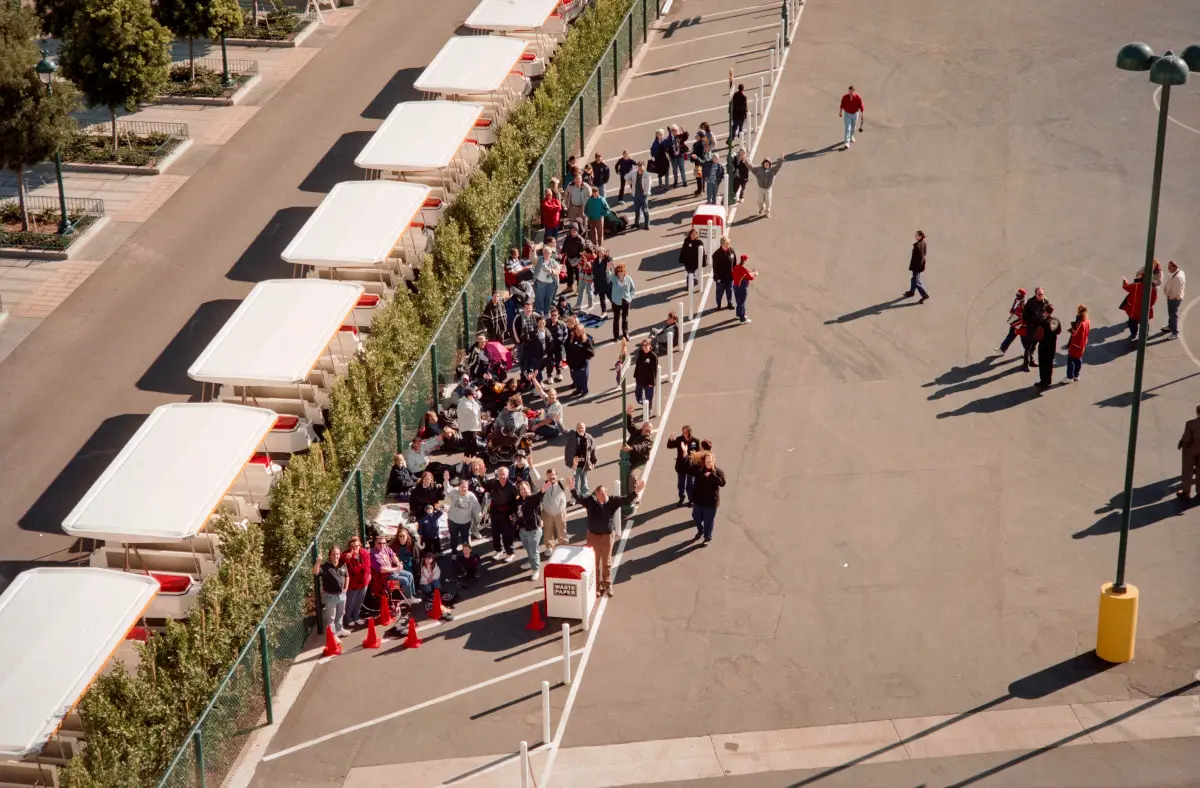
(117, 54)
(56, 15)
(34, 125)
(192, 19)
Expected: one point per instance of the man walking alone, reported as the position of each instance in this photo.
(1173, 290)
(850, 111)
(738, 111)
(916, 264)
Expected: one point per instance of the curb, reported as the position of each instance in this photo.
(269, 44)
(129, 169)
(54, 255)
(204, 101)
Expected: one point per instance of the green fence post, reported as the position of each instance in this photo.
(433, 372)
(399, 427)
(658, 8)
(316, 558)
(562, 147)
(466, 325)
(582, 125)
(616, 69)
(645, 24)
(198, 745)
(520, 226)
(630, 21)
(495, 281)
(265, 650)
(541, 178)
(362, 509)
(626, 487)
(787, 30)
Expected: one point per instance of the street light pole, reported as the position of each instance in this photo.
(46, 68)
(226, 80)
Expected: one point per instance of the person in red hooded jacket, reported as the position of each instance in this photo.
(742, 277)
(358, 565)
(551, 213)
(1133, 304)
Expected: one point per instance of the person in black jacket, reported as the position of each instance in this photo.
(600, 508)
(645, 372)
(640, 442)
(502, 505)
(916, 264)
(684, 445)
(400, 479)
(558, 348)
(1033, 316)
(738, 109)
(691, 256)
(741, 175)
(625, 165)
(600, 267)
(528, 518)
(600, 174)
(1046, 347)
(492, 319)
(426, 493)
(579, 349)
(723, 261)
(706, 495)
(572, 251)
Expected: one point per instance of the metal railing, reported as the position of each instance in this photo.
(243, 701)
(245, 68)
(76, 206)
(136, 128)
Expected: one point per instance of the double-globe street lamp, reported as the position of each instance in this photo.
(1117, 626)
(46, 69)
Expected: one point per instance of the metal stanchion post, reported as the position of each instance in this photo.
(566, 640)
(524, 764)
(646, 409)
(692, 294)
(545, 712)
(671, 355)
(658, 391)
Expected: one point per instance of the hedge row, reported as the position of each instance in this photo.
(135, 723)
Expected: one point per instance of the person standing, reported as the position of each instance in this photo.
(1047, 344)
(358, 577)
(1033, 318)
(600, 174)
(706, 495)
(554, 512)
(493, 320)
(528, 517)
(463, 511)
(639, 188)
(742, 277)
(600, 508)
(334, 580)
(1077, 342)
(764, 176)
(850, 111)
(640, 442)
(558, 348)
(580, 351)
(1133, 304)
(625, 166)
(600, 269)
(1189, 446)
(595, 209)
(470, 420)
(741, 176)
(577, 196)
(1173, 290)
(916, 264)
(502, 495)
(691, 256)
(722, 263)
(1014, 320)
(660, 154)
(645, 372)
(738, 109)
(622, 290)
(684, 445)
(714, 174)
(572, 251)
(579, 454)
(679, 156)
(700, 153)
(551, 214)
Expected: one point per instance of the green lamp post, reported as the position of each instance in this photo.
(1117, 627)
(46, 69)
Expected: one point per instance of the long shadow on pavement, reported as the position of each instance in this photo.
(1032, 687)
(968, 384)
(337, 164)
(871, 311)
(1152, 503)
(59, 498)
(168, 373)
(398, 89)
(261, 260)
(994, 403)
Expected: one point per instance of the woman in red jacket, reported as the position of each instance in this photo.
(358, 564)
(551, 213)
(742, 277)
(1133, 303)
(1078, 342)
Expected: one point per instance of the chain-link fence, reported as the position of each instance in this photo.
(242, 703)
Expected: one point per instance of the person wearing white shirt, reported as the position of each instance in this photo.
(463, 511)
(1173, 290)
(577, 195)
(639, 187)
(470, 420)
(417, 453)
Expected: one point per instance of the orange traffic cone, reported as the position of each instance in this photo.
(332, 646)
(536, 624)
(412, 641)
(372, 640)
(385, 610)
(436, 611)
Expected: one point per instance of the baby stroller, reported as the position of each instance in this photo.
(500, 359)
(502, 447)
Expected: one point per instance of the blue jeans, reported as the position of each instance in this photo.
(428, 588)
(543, 296)
(724, 290)
(915, 286)
(1074, 365)
(686, 483)
(1173, 315)
(585, 288)
(552, 232)
(710, 191)
(531, 541)
(662, 179)
(641, 206)
(679, 170)
(581, 481)
(640, 391)
(579, 379)
(739, 293)
(704, 517)
(603, 189)
(549, 431)
(848, 121)
(333, 610)
(735, 129)
(354, 600)
(1008, 340)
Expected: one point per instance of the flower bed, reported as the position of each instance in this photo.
(135, 150)
(42, 234)
(282, 24)
(207, 83)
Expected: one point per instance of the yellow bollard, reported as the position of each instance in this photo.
(1117, 626)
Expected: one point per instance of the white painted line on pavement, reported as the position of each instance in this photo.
(673, 115)
(565, 717)
(599, 446)
(431, 623)
(426, 704)
(701, 61)
(1156, 98)
(708, 17)
(645, 252)
(677, 206)
(663, 286)
(772, 26)
(701, 85)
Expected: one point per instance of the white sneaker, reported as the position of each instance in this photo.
(525, 565)
(510, 558)
(548, 551)
(747, 320)
(345, 633)
(537, 576)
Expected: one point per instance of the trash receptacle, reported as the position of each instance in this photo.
(709, 223)
(569, 582)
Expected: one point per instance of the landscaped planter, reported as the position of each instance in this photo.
(42, 241)
(207, 88)
(143, 149)
(280, 31)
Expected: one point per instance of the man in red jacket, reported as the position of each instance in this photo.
(850, 111)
